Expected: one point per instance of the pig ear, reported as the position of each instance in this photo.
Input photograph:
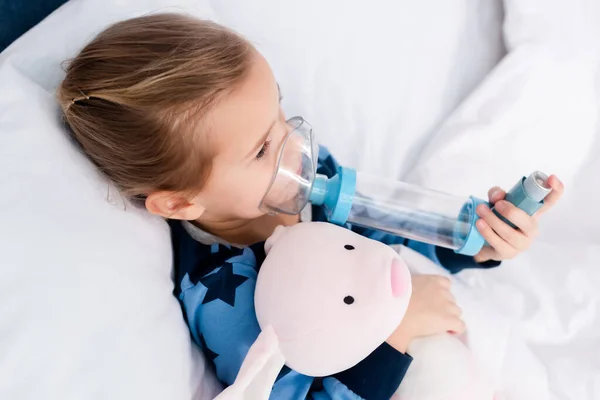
(274, 238)
(259, 370)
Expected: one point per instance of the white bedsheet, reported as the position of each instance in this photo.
(550, 293)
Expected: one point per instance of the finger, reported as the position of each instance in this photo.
(443, 282)
(487, 253)
(504, 250)
(454, 310)
(527, 224)
(449, 297)
(455, 325)
(512, 236)
(496, 194)
(558, 189)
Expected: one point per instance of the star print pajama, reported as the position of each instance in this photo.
(215, 286)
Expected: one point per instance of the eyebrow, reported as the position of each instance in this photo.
(263, 139)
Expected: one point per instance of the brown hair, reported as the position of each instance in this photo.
(133, 96)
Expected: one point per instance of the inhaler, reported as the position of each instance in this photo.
(388, 205)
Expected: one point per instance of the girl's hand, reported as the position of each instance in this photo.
(432, 309)
(504, 241)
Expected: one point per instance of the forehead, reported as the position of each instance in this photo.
(242, 117)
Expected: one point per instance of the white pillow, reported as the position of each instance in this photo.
(86, 290)
(86, 305)
(374, 79)
(537, 110)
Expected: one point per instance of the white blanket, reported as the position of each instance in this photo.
(491, 336)
(537, 109)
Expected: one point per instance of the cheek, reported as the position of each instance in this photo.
(240, 191)
(255, 182)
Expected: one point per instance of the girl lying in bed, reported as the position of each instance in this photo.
(184, 115)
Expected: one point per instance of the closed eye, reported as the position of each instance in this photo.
(263, 150)
(279, 92)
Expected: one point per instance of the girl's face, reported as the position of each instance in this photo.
(246, 130)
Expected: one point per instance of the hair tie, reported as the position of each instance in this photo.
(76, 99)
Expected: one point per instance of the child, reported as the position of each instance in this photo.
(184, 116)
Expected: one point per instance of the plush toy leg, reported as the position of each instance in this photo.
(443, 369)
(259, 370)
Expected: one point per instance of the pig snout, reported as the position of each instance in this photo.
(400, 278)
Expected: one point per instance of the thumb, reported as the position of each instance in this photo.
(487, 253)
(496, 194)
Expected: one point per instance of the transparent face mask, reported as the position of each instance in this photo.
(295, 171)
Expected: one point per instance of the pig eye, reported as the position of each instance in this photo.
(348, 300)
(349, 247)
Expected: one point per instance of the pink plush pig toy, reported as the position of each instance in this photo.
(325, 299)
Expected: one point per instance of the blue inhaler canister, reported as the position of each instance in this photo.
(412, 211)
(528, 194)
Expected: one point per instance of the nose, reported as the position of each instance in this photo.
(292, 153)
(399, 275)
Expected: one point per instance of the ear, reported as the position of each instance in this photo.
(259, 370)
(274, 238)
(172, 205)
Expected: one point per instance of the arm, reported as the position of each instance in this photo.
(219, 307)
(378, 376)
